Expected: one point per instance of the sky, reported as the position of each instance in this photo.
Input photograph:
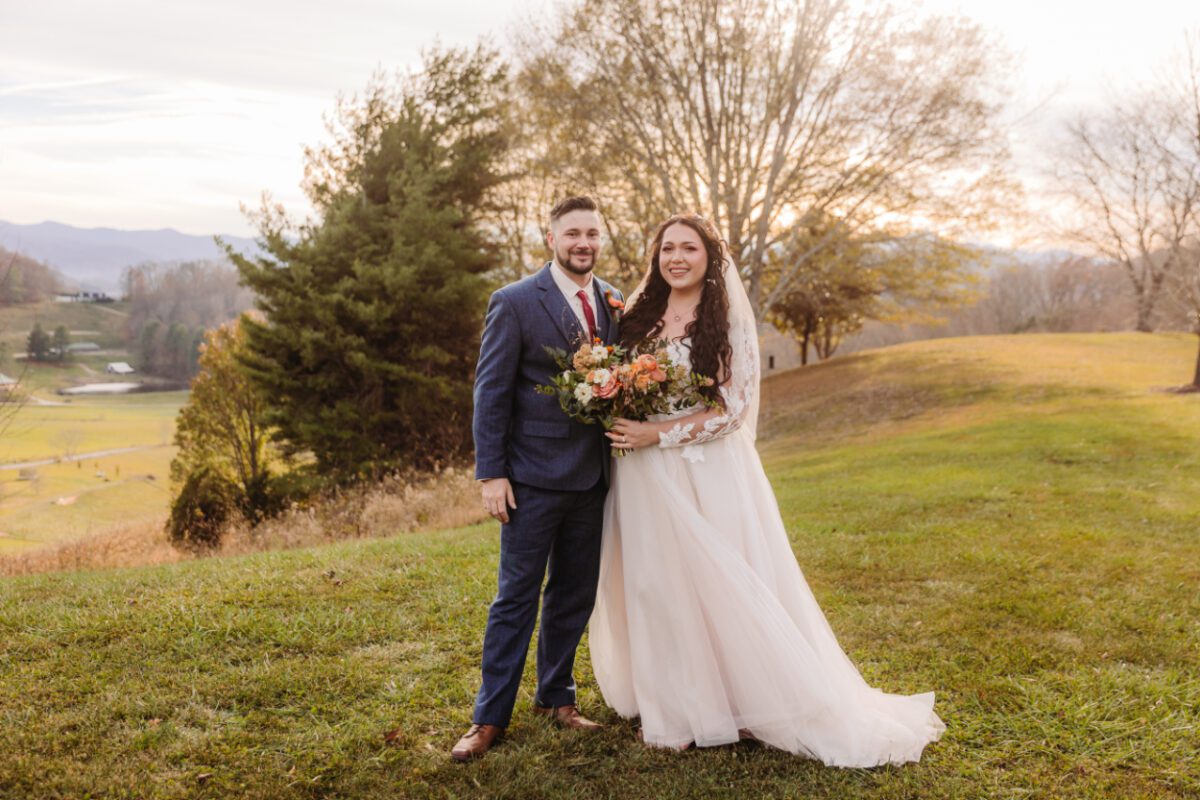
(144, 114)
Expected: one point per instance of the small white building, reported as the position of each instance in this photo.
(118, 368)
(7, 384)
(83, 297)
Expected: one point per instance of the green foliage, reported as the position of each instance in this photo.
(60, 342)
(201, 510)
(37, 346)
(222, 433)
(373, 313)
(833, 281)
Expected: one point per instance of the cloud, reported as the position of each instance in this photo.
(141, 113)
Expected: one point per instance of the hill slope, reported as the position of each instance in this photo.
(1011, 522)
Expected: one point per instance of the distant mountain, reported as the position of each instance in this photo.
(95, 257)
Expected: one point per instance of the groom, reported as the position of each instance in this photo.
(543, 475)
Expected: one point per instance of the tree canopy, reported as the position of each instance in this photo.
(372, 310)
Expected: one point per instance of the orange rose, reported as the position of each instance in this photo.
(658, 375)
(647, 362)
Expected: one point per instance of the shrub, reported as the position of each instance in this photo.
(201, 510)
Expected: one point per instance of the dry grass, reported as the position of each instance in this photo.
(135, 544)
(395, 505)
(449, 499)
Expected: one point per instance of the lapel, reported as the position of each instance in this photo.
(556, 306)
(608, 328)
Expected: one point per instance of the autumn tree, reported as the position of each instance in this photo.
(763, 115)
(853, 279)
(224, 459)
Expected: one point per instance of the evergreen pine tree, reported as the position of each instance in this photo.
(60, 342)
(37, 346)
(373, 313)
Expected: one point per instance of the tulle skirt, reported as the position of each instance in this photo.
(704, 624)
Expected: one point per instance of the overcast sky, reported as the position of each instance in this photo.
(159, 113)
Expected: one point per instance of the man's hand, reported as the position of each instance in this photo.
(498, 498)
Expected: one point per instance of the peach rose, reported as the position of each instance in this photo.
(607, 390)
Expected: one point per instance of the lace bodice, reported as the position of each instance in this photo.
(736, 395)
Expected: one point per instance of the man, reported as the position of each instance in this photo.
(543, 475)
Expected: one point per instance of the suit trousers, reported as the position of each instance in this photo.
(553, 535)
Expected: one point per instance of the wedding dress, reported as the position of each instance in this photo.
(704, 624)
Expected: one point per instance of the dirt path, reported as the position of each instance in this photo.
(80, 457)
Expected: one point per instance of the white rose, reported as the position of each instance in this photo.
(601, 377)
(583, 393)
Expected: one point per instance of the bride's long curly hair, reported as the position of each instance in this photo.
(711, 351)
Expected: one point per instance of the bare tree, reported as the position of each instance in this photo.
(67, 440)
(1136, 204)
(762, 114)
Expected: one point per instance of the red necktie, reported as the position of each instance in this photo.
(587, 312)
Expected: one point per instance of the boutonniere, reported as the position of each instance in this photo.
(617, 306)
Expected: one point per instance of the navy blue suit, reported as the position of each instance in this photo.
(559, 473)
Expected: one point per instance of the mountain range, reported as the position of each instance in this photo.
(94, 258)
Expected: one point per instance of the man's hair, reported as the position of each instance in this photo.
(582, 203)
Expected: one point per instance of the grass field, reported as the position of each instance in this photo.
(103, 323)
(72, 499)
(1009, 521)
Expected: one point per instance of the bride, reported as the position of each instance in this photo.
(704, 625)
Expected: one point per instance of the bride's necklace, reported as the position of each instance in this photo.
(678, 317)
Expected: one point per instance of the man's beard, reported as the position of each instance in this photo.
(564, 260)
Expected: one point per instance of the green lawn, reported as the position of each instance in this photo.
(1009, 521)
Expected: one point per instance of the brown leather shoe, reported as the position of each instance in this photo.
(475, 742)
(568, 717)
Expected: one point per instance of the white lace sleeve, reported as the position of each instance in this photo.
(739, 394)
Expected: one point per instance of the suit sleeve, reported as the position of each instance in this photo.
(495, 383)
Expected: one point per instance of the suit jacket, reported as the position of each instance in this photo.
(521, 434)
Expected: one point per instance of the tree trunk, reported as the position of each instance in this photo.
(1196, 376)
(1144, 310)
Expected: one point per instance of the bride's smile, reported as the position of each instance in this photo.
(683, 259)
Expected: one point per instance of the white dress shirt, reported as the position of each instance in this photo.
(570, 290)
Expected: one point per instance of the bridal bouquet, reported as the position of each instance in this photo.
(602, 383)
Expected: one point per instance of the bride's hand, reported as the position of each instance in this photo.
(626, 434)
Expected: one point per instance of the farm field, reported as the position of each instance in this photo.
(48, 493)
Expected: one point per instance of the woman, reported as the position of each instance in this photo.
(704, 625)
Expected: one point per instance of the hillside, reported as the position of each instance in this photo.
(1009, 521)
